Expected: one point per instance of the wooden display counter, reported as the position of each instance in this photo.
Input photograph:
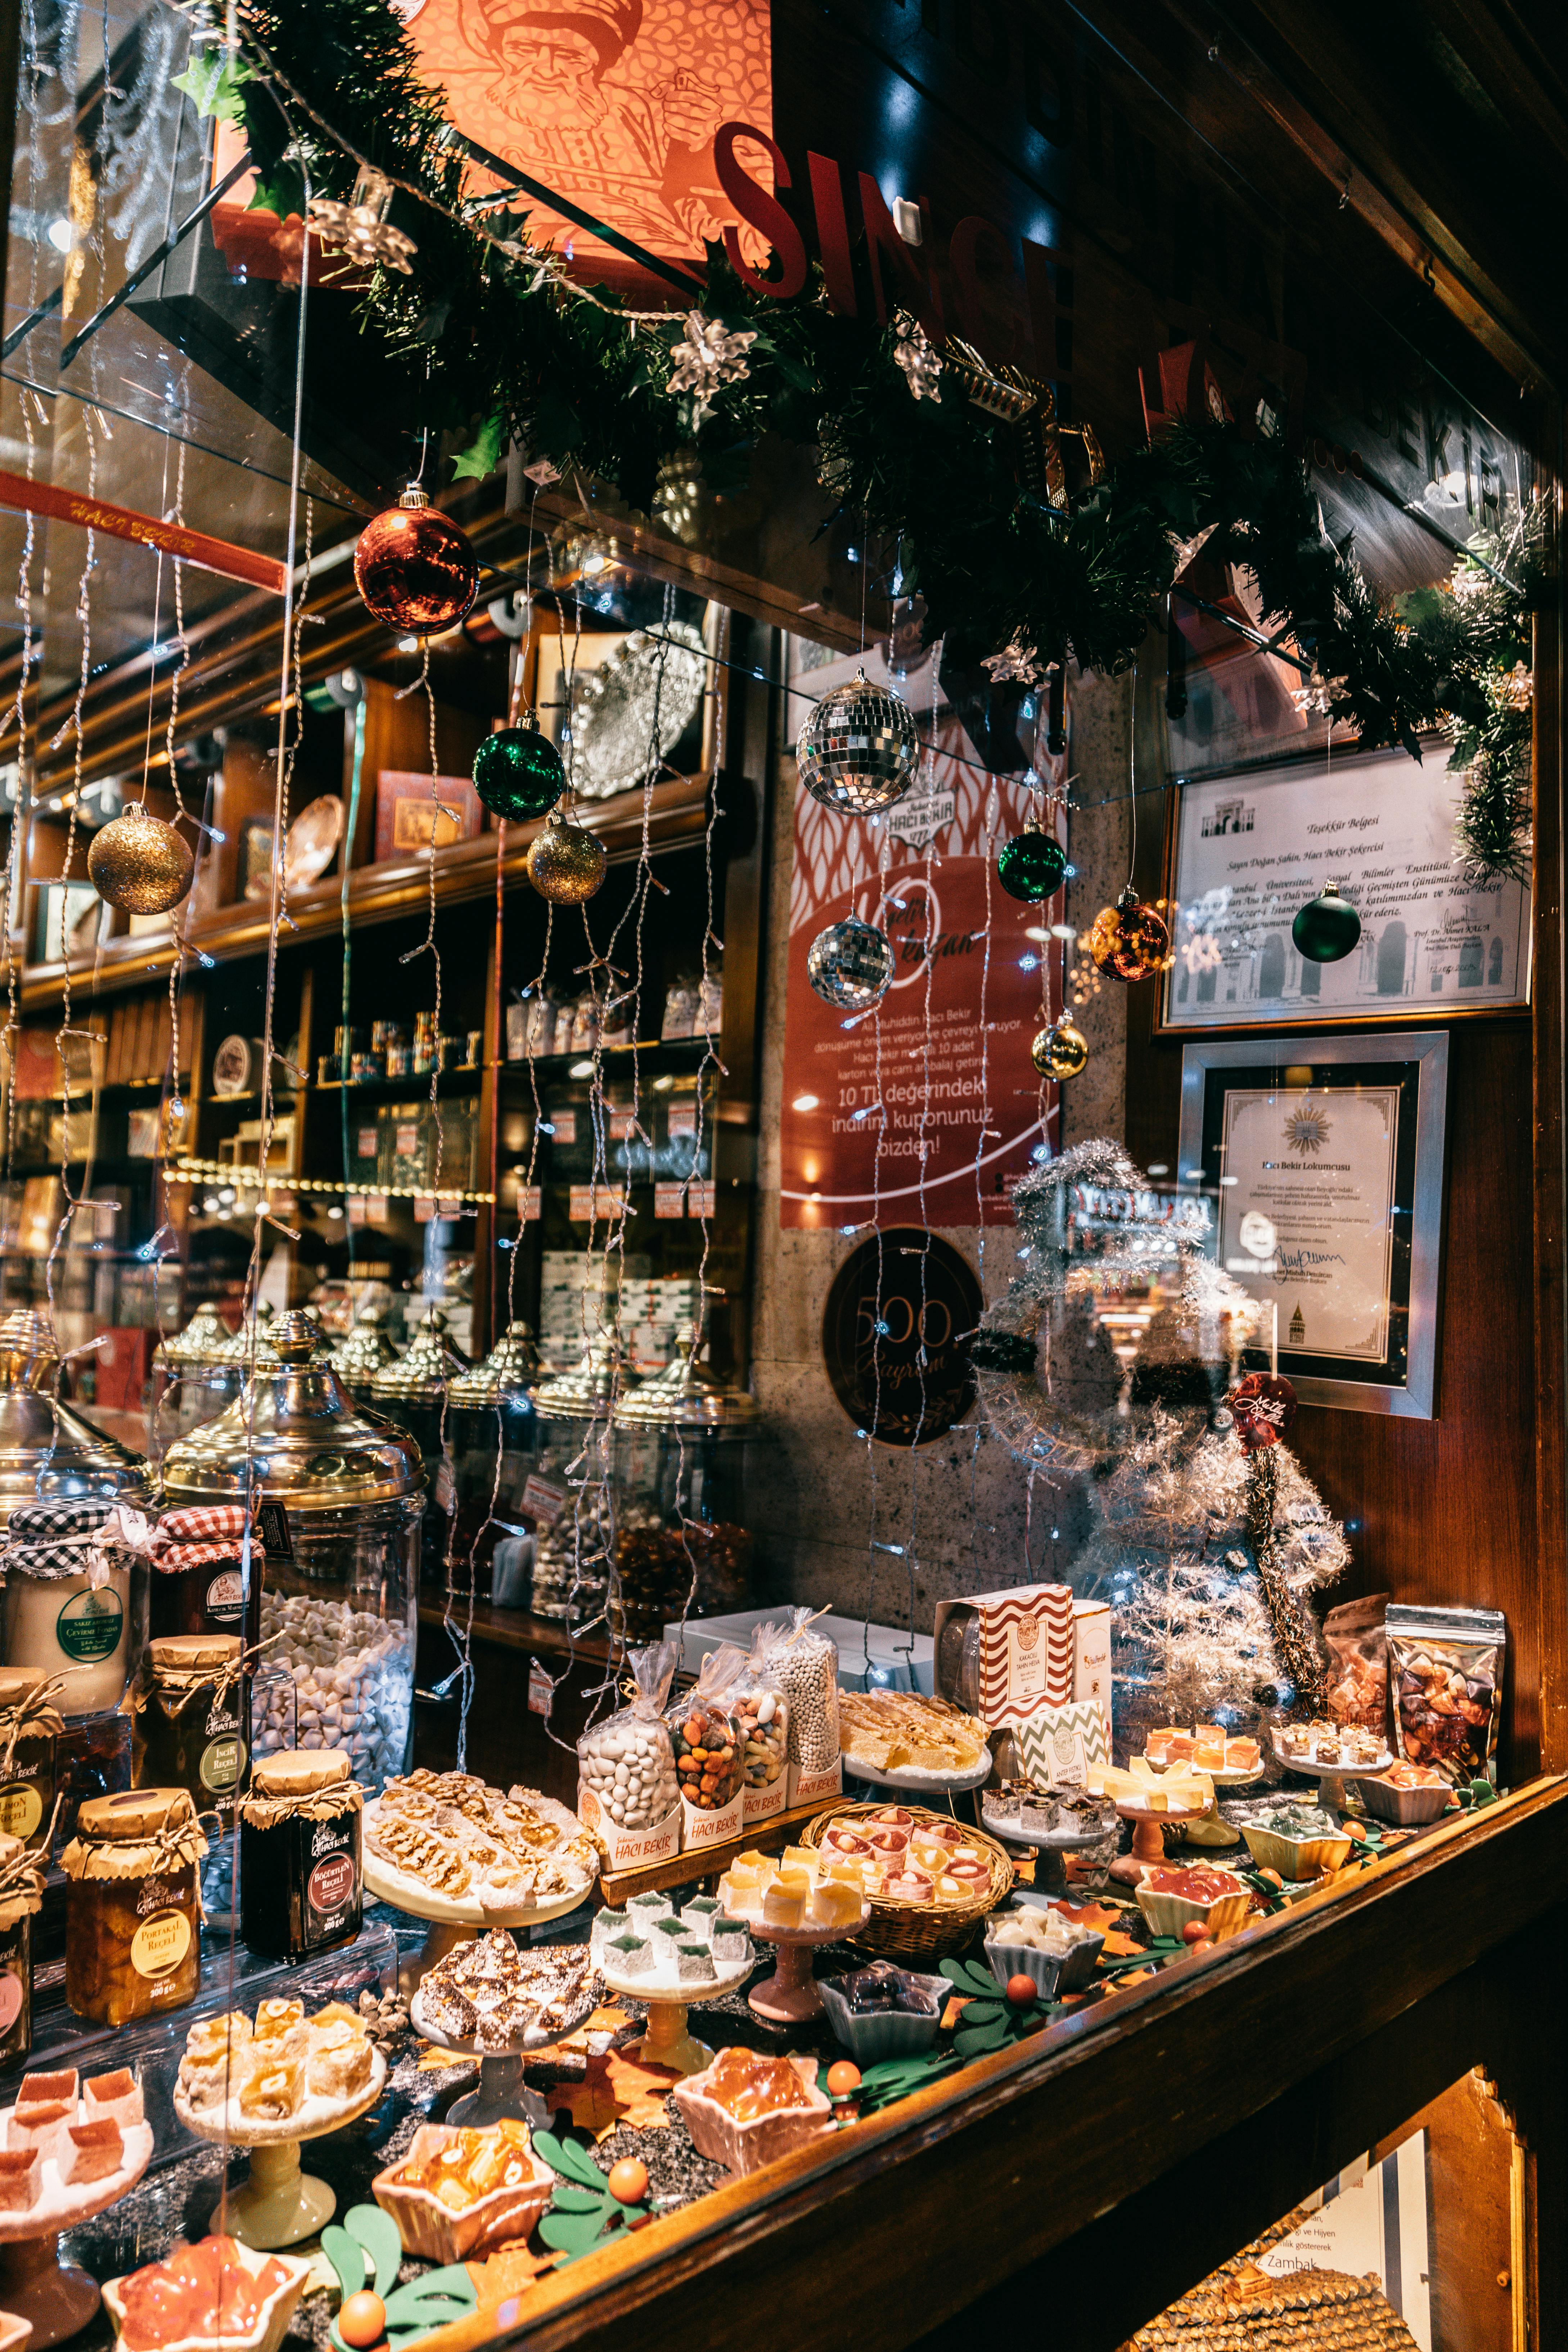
(1101, 2168)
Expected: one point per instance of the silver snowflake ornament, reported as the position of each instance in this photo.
(918, 356)
(708, 356)
(1017, 660)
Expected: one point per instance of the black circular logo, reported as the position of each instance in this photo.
(895, 1336)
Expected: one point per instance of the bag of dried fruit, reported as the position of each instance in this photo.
(705, 1732)
(761, 1711)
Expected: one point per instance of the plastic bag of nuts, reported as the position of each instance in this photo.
(705, 1733)
(762, 1713)
(626, 1760)
(805, 1665)
(1446, 1668)
(1355, 1688)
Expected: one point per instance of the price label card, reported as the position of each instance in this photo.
(424, 1208)
(541, 1689)
(564, 1123)
(700, 1200)
(620, 1124)
(670, 1199)
(531, 1203)
(542, 1501)
(683, 1118)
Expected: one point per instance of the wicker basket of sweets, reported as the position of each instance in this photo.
(912, 1929)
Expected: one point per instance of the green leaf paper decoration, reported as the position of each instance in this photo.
(378, 2232)
(565, 2156)
(347, 2258)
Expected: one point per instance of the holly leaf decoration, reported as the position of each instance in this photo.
(568, 2200)
(483, 454)
(378, 2232)
(569, 2161)
(974, 1982)
(428, 2303)
(895, 2078)
(211, 81)
(347, 2258)
(573, 2234)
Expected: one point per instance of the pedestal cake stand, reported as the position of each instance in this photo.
(789, 1997)
(666, 2041)
(280, 2204)
(56, 2298)
(501, 2090)
(1332, 1778)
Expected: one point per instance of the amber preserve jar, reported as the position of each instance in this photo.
(192, 1719)
(30, 1722)
(132, 1910)
(302, 1879)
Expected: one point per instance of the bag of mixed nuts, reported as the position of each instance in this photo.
(1446, 1667)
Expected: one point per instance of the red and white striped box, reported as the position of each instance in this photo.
(1025, 1650)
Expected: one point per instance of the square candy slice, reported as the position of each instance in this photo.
(729, 1942)
(90, 2152)
(273, 2092)
(701, 1906)
(39, 2127)
(113, 2098)
(48, 2090)
(21, 2181)
(629, 1956)
(644, 1909)
(694, 1964)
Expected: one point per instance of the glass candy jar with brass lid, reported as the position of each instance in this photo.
(412, 1393)
(48, 1450)
(340, 1581)
(302, 1870)
(567, 1501)
(132, 1909)
(683, 1444)
(363, 1352)
(193, 1376)
(30, 1722)
(492, 1430)
(192, 1720)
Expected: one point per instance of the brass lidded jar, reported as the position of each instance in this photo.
(340, 1581)
(193, 1376)
(412, 1393)
(573, 1524)
(48, 1450)
(683, 1458)
(363, 1351)
(489, 1418)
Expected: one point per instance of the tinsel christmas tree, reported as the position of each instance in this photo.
(1208, 1552)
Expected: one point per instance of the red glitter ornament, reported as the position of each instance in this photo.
(1262, 1409)
(414, 569)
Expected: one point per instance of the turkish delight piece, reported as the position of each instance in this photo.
(90, 2152)
(694, 1963)
(728, 1941)
(113, 2098)
(48, 2090)
(39, 2127)
(784, 1901)
(273, 2092)
(21, 2170)
(835, 1904)
(699, 1913)
(629, 1956)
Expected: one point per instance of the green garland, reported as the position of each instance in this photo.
(499, 346)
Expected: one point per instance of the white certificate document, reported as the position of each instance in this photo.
(1252, 850)
(1306, 1215)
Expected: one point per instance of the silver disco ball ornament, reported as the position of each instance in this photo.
(858, 750)
(850, 964)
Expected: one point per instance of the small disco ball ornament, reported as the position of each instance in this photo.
(858, 750)
(850, 964)
(1060, 1051)
(1262, 1408)
(1031, 865)
(518, 772)
(414, 569)
(567, 863)
(141, 864)
(1131, 940)
(1327, 928)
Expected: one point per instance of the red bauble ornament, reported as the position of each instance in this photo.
(1130, 940)
(1262, 1409)
(414, 569)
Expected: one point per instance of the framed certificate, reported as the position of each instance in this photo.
(1246, 850)
(1324, 1159)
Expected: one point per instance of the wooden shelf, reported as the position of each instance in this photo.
(615, 1886)
(517, 1629)
(464, 870)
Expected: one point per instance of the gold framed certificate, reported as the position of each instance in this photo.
(1325, 1160)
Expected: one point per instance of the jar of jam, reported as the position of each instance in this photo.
(199, 1574)
(132, 1912)
(30, 1722)
(21, 1894)
(192, 1721)
(301, 1881)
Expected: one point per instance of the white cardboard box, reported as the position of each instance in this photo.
(912, 1664)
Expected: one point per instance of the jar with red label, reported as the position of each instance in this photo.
(133, 1909)
(301, 1881)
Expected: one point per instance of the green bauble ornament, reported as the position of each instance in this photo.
(518, 772)
(1327, 927)
(1031, 865)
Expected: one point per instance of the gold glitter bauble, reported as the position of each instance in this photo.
(567, 863)
(141, 864)
(1130, 940)
(1060, 1051)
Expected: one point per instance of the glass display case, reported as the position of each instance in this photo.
(492, 1428)
(341, 1568)
(685, 1502)
(412, 1393)
(570, 1517)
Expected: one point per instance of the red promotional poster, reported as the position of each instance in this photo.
(925, 1109)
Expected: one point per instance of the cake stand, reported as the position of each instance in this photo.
(56, 2298)
(1051, 1848)
(666, 2041)
(1332, 1778)
(1148, 1843)
(501, 2090)
(452, 1921)
(279, 2205)
(913, 1780)
(790, 1996)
